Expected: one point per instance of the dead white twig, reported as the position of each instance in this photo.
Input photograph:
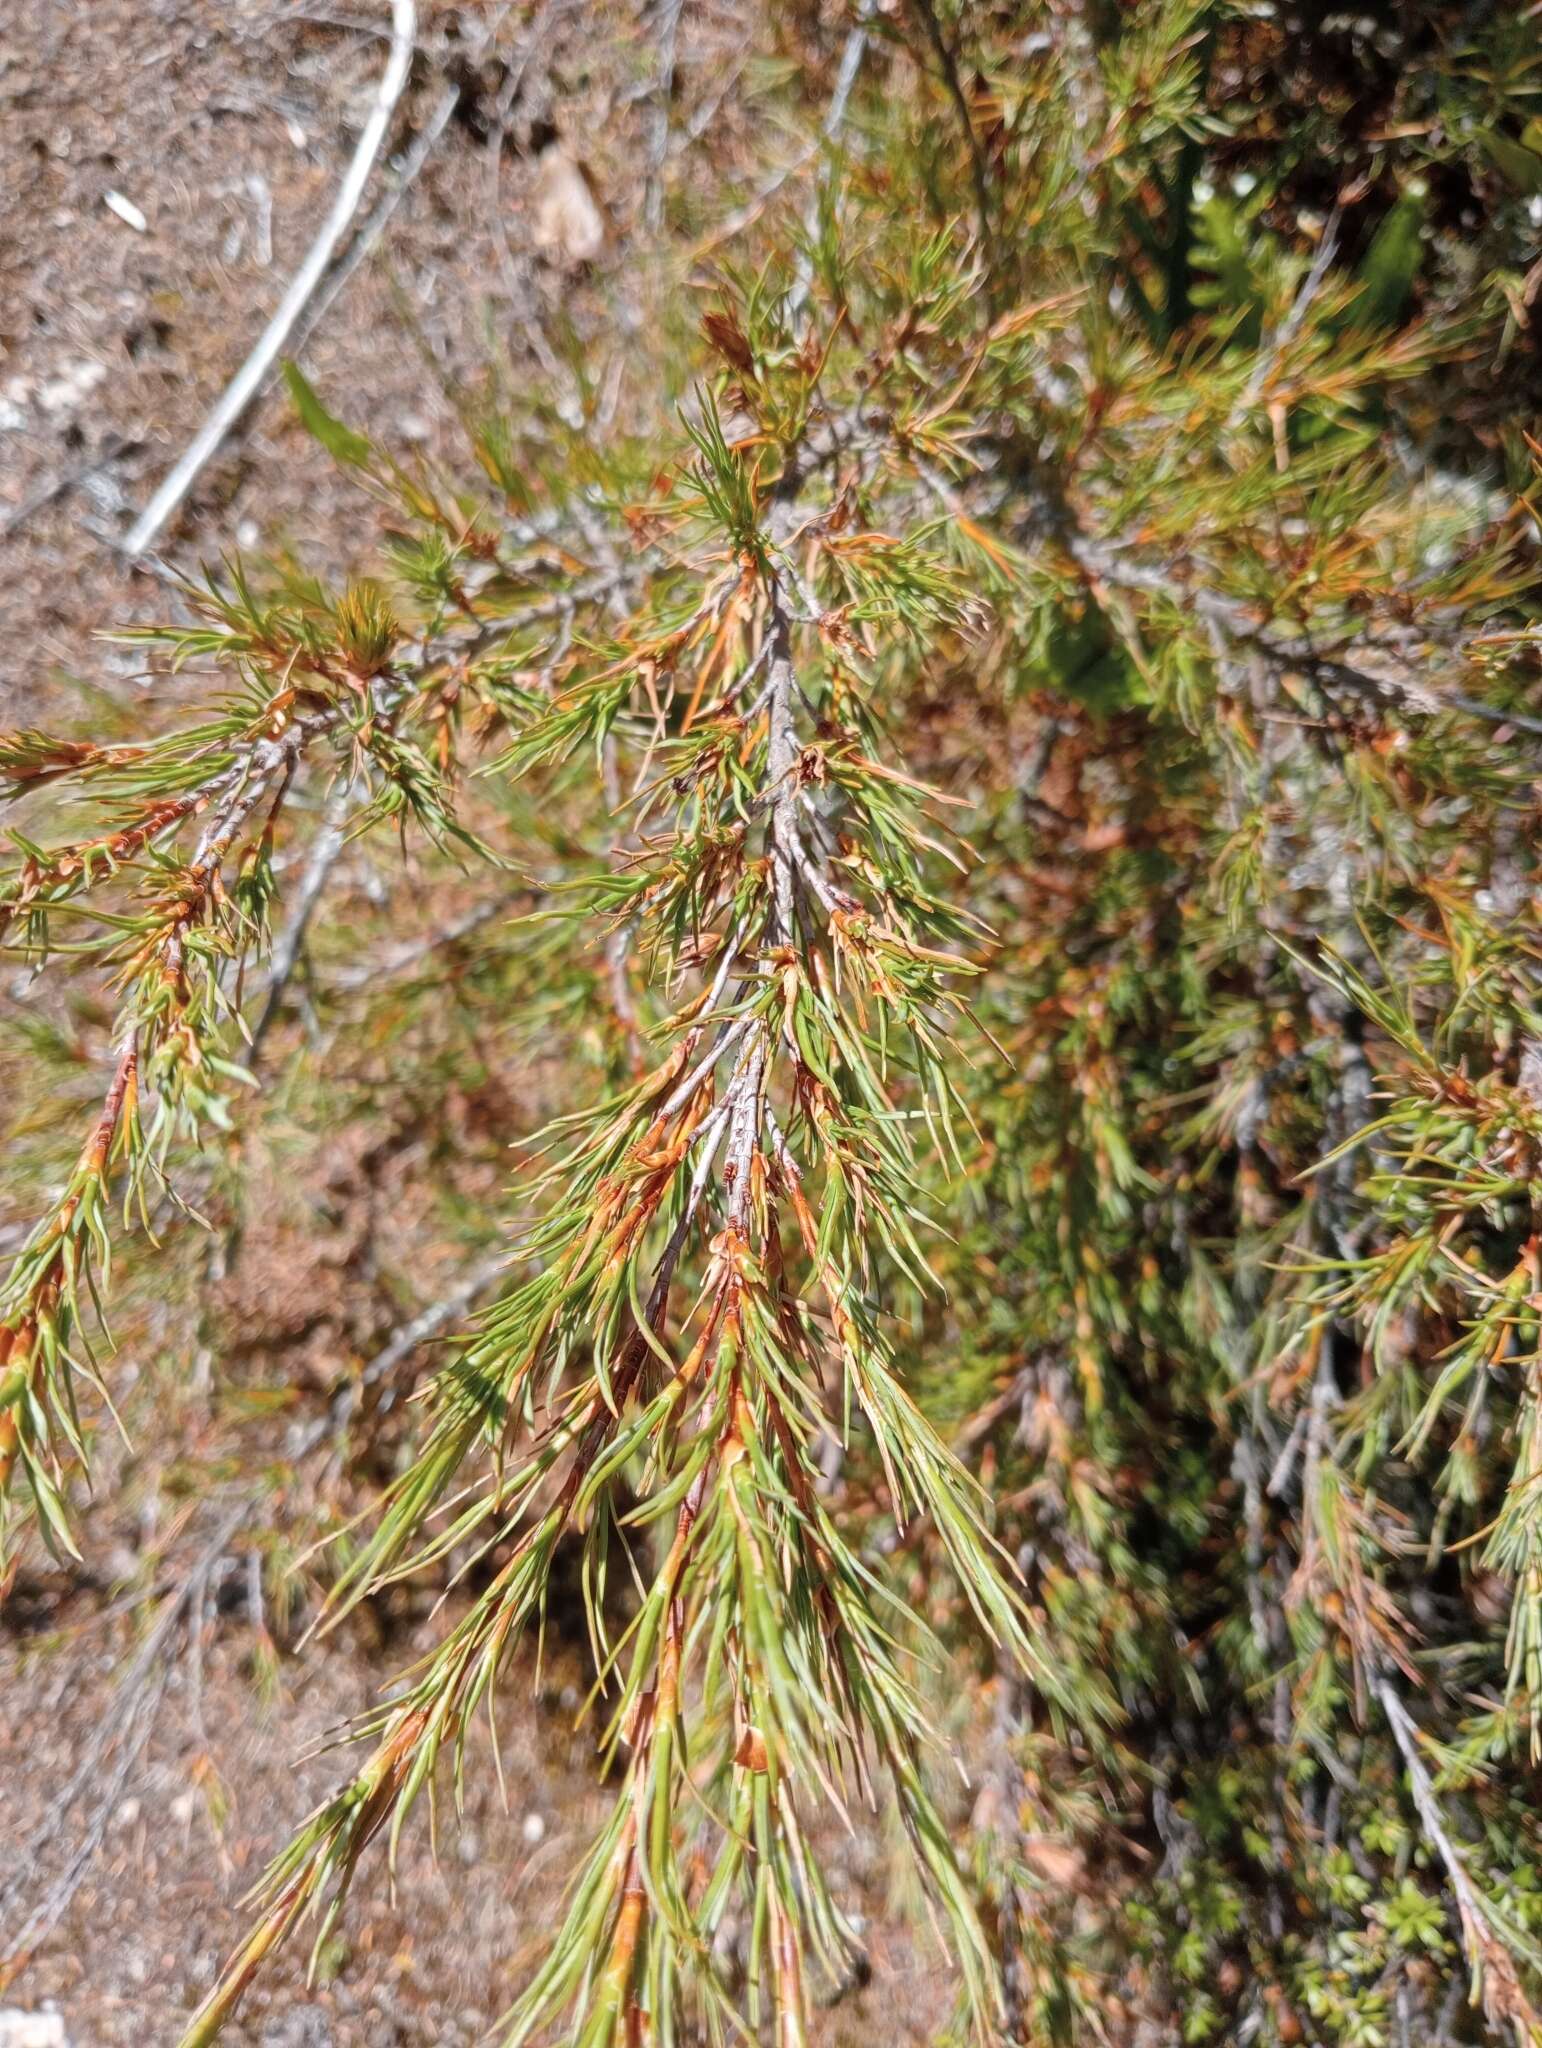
(244, 385)
(1494, 1976)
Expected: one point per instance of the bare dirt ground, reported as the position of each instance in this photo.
(163, 164)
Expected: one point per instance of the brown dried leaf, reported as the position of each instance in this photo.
(728, 338)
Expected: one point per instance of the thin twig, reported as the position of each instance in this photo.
(782, 772)
(1488, 1955)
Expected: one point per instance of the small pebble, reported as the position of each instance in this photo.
(126, 211)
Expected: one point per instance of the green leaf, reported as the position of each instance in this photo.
(1392, 262)
(340, 442)
(1519, 164)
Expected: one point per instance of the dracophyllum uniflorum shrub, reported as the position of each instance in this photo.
(1047, 783)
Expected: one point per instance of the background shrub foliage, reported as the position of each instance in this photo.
(998, 761)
